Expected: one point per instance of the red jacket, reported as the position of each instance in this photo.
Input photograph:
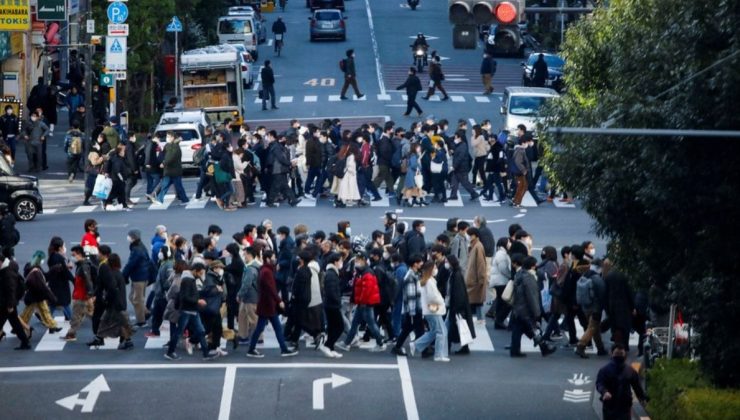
(367, 291)
(268, 300)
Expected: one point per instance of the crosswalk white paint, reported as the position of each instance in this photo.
(286, 99)
(482, 341)
(384, 97)
(85, 209)
(168, 199)
(310, 98)
(384, 202)
(51, 342)
(563, 205)
(493, 203)
(454, 203)
(457, 98)
(334, 98)
(196, 204)
(529, 347)
(482, 99)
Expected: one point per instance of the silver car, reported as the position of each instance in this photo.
(328, 24)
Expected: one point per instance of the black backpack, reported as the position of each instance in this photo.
(337, 166)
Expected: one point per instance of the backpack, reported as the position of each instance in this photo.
(75, 144)
(337, 167)
(386, 284)
(343, 65)
(585, 292)
(255, 160)
(199, 155)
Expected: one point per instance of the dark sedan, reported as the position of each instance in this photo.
(555, 66)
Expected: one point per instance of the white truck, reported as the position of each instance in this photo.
(213, 80)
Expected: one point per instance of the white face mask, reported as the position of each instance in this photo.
(422, 229)
(219, 271)
(434, 273)
(447, 265)
(348, 231)
(216, 238)
(386, 255)
(593, 252)
(130, 239)
(9, 112)
(160, 256)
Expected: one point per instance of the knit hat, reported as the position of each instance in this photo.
(134, 234)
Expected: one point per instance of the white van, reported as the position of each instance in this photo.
(239, 29)
(522, 105)
(192, 135)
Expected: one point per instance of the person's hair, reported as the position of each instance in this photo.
(350, 52)
(75, 124)
(214, 229)
(439, 249)
(376, 252)
(401, 228)
(238, 237)
(180, 266)
(345, 244)
(521, 127)
(377, 234)
(452, 223)
(114, 261)
(283, 230)
(462, 225)
(306, 256)
(427, 269)
(586, 244)
(267, 254)
(251, 251)
(180, 241)
(416, 224)
(77, 249)
(416, 258)
(477, 130)
(577, 251)
(443, 238)
(517, 259)
(233, 250)
(55, 245)
(414, 148)
(342, 226)
(550, 253)
(529, 263)
(454, 262)
(473, 231)
(396, 258)
(89, 223)
(239, 151)
(267, 62)
(514, 228)
(565, 251)
(502, 242)
(300, 229)
(333, 258)
(521, 233)
(198, 241)
(104, 250)
(412, 70)
(166, 252)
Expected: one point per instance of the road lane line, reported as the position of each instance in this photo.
(409, 401)
(379, 72)
(227, 393)
(178, 366)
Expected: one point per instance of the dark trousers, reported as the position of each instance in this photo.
(383, 317)
(213, 325)
(73, 164)
(279, 185)
(364, 181)
(268, 90)
(438, 186)
(412, 104)
(461, 178)
(437, 85)
(479, 165)
(494, 178)
(118, 192)
(15, 322)
(320, 182)
(502, 308)
(334, 326)
(350, 81)
(44, 166)
(570, 316)
(415, 324)
(384, 174)
(98, 310)
(160, 304)
(152, 181)
(232, 311)
(265, 182)
(248, 185)
(312, 178)
(519, 327)
(130, 184)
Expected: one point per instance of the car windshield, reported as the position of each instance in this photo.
(553, 61)
(235, 26)
(5, 167)
(527, 105)
(186, 134)
(327, 16)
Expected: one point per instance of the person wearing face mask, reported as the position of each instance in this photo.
(461, 165)
(476, 275)
(614, 382)
(118, 172)
(162, 283)
(281, 166)
(210, 313)
(9, 129)
(140, 270)
(35, 132)
(589, 250)
(592, 309)
(433, 309)
(460, 245)
(172, 170)
(438, 254)
(379, 263)
(59, 277)
(415, 242)
(458, 302)
(526, 310)
(96, 157)
(38, 294)
(522, 243)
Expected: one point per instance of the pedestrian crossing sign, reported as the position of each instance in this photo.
(116, 47)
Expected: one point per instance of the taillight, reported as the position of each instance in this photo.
(195, 146)
(341, 24)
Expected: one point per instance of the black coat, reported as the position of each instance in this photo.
(459, 305)
(332, 290)
(620, 301)
(10, 287)
(268, 77)
(59, 279)
(461, 158)
(415, 243)
(115, 292)
(385, 151)
(412, 85)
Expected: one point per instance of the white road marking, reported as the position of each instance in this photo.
(85, 209)
(286, 99)
(355, 98)
(434, 98)
(407, 387)
(379, 72)
(384, 202)
(456, 79)
(456, 98)
(562, 204)
(471, 121)
(269, 42)
(51, 342)
(482, 99)
(310, 98)
(196, 204)
(256, 86)
(528, 200)
(93, 390)
(493, 203)
(334, 98)
(49, 211)
(179, 366)
(227, 393)
(482, 341)
(318, 388)
(168, 199)
(455, 203)
(384, 97)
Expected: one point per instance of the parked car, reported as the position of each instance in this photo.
(20, 193)
(328, 24)
(523, 105)
(246, 61)
(239, 30)
(198, 116)
(259, 21)
(555, 66)
(325, 4)
(192, 135)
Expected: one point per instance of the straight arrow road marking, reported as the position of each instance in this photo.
(318, 388)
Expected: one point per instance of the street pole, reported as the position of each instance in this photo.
(89, 120)
(177, 68)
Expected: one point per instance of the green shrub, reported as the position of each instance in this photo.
(665, 383)
(709, 403)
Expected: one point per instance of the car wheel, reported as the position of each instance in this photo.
(25, 209)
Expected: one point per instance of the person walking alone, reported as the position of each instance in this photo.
(347, 66)
(413, 87)
(435, 79)
(487, 70)
(268, 85)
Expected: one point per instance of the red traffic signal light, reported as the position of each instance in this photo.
(506, 12)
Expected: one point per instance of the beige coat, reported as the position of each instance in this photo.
(476, 276)
(480, 146)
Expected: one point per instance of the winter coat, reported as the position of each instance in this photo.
(164, 278)
(347, 187)
(59, 279)
(384, 151)
(332, 289)
(153, 157)
(569, 287)
(172, 160)
(486, 238)
(9, 125)
(415, 243)
(366, 288)
(36, 288)
(173, 294)
(620, 301)
(412, 85)
(526, 305)
(480, 146)
(116, 168)
(286, 251)
(233, 274)
(435, 72)
(267, 76)
(188, 294)
(138, 265)
(302, 287)
(11, 284)
(461, 159)
(248, 292)
(349, 67)
(413, 166)
(476, 276)
(267, 304)
(278, 155)
(34, 131)
(430, 295)
(157, 243)
(115, 292)
(521, 163)
(459, 247)
(210, 293)
(459, 305)
(313, 153)
(440, 156)
(539, 72)
(500, 268)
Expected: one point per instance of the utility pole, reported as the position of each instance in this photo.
(89, 119)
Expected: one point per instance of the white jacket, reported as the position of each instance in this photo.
(500, 269)
(430, 294)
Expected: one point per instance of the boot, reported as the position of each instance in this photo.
(429, 93)
(580, 351)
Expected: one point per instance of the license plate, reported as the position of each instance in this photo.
(327, 25)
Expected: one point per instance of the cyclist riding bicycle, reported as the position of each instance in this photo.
(279, 29)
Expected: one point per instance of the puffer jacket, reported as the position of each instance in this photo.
(367, 291)
(526, 305)
(332, 290)
(137, 266)
(500, 269)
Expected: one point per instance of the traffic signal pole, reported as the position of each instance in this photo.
(89, 120)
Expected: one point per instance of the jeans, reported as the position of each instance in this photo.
(397, 315)
(437, 333)
(320, 183)
(261, 324)
(314, 175)
(152, 180)
(66, 310)
(203, 183)
(364, 313)
(364, 181)
(227, 189)
(494, 178)
(191, 322)
(519, 327)
(167, 181)
(268, 90)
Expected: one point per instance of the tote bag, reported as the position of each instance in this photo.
(102, 187)
(463, 330)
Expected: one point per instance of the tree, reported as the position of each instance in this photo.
(669, 206)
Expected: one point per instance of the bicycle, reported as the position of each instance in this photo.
(278, 43)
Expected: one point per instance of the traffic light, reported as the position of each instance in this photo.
(483, 12)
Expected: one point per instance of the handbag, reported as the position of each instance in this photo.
(103, 186)
(463, 330)
(437, 167)
(508, 293)
(221, 176)
(418, 179)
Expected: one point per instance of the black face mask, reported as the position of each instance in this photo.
(619, 359)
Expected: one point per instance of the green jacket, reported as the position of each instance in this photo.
(172, 159)
(111, 136)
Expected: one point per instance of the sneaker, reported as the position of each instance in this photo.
(336, 355)
(126, 345)
(188, 347)
(441, 359)
(398, 351)
(556, 336)
(256, 354)
(69, 337)
(210, 356)
(379, 348)
(243, 341)
(151, 334)
(289, 353)
(356, 342)
(325, 351)
(342, 346)
(221, 352)
(171, 356)
(412, 348)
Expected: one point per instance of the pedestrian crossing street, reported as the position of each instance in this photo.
(52, 342)
(387, 98)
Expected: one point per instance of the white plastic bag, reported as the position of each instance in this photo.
(463, 330)
(102, 188)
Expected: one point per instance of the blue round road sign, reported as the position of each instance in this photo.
(117, 12)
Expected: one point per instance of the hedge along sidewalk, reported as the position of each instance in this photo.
(679, 390)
